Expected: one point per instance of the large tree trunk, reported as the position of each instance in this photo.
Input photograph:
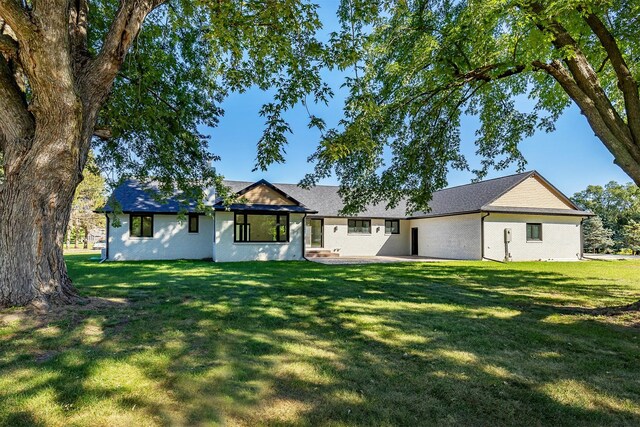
(45, 137)
(35, 205)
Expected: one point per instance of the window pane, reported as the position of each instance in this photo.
(534, 231)
(147, 226)
(193, 223)
(359, 226)
(239, 233)
(262, 228)
(282, 225)
(136, 226)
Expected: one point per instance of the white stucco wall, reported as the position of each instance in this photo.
(453, 237)
(171, 240)
(337, 239)
(560, 237)
(227, 250)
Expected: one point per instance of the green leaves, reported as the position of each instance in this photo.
(419, 65)
(188, 58)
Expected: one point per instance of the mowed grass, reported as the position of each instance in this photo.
(299, 343)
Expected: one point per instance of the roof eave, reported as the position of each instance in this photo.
(532, 211)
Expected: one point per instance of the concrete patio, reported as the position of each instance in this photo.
(373, 260)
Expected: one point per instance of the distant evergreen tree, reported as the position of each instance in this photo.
(597, 238)
(632, 236)
(616, 205)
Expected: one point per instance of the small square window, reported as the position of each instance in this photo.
(392, 226)
(141, 225)
(534, 232)
(194, 220)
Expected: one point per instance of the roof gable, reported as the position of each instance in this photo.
(533, 192)
(265, 193)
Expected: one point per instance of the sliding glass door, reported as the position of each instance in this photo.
(315, 232)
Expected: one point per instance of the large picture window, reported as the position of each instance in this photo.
(392, 226)
(141, 225)
(359, 226)
(260, 227)
(534, 232)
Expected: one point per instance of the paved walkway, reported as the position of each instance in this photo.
(611, 257)
(373, 259)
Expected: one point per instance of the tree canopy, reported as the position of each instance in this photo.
(188, 57)
(419, 65)
(615, 204)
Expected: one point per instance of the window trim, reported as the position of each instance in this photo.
(267, 213)
(539, 224)
(197, 217)
(391, 232)
(142, 216)
(358, 233)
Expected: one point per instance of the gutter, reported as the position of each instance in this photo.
(482, 234)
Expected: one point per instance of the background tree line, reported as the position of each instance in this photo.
(89, 196)
(616, 226)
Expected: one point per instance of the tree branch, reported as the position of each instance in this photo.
(17, 123)
(626, 83)
(585, 77)
(17, 18)
(103, 133)
(8, 46)
(123, 31)
(478, 74)
(618, 148)
(78, 32)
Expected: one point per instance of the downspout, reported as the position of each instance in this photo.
(482, 234)
(582, 238)
(213, 252)
(304, 241)
(106, 246)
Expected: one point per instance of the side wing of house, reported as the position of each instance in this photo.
(532, 221)
(158, 236)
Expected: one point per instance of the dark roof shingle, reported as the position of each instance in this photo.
(326, 201)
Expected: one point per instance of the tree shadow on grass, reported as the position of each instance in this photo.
(302, 343)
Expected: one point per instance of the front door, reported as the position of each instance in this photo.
(414, 241)
(316, 232)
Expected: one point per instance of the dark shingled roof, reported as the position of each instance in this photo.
(474, 197)
(134, 196)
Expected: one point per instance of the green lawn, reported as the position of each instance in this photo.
(291, 343)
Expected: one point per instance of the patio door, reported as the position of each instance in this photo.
(414, 241)
(316, 232)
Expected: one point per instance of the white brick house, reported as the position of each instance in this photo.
(517, 217)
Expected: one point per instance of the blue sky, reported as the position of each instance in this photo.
(571, 157)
